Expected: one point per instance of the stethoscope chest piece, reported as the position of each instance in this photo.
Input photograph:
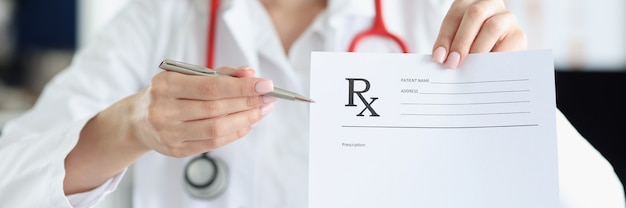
(206, 177)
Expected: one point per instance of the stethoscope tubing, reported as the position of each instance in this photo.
(378, 29)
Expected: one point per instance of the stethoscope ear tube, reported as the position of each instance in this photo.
(206, 177)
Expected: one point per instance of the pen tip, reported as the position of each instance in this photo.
(305, 99)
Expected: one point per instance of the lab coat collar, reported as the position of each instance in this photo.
(340, 15)
(234, 13)
(356, 8)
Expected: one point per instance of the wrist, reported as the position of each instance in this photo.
(128, 124)
(105, 147)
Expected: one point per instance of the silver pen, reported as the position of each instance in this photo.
(191, 69)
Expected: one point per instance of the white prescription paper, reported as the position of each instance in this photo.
(398, 130)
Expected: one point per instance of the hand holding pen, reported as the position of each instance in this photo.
(182, 115)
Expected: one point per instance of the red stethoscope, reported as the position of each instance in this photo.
(206, 177)
(377, 29)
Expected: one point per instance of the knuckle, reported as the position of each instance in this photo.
(175, 150)
(160, 84)
(243, 132)
(254, 117)
(243, 90)
(155, 118)
(159, 77)
(178, 153)
(157, 115)
(155, 91)
(215, 130)
(476, 11)
(495, 26)
(210, 89)
(212, 144)
(458, 8)
(157, 88)
(212, 107)
(253, 101)
(520, 38)
(247, 87)
(511, 16)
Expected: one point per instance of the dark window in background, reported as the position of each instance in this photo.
(40, 25)
(595, 103)
(46, 24)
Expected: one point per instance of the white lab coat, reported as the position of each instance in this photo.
(268, 168)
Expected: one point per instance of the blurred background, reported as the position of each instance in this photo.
(39, 37)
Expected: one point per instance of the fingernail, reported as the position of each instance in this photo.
(439, 55)
(269, 99)
(453, 60)
(254, 125)
(264, 86)
(267, 108)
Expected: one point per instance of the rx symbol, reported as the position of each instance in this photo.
(359, 93)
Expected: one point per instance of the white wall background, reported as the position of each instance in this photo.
(586, 35)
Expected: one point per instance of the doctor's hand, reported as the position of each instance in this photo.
(476, 26)
(185, 115)
(177, 115)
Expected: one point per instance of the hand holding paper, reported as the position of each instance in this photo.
(397, 130)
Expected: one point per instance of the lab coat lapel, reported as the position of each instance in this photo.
(347, 18)
(235, 14)
(268, 44)
(270, 50)
(267, 40)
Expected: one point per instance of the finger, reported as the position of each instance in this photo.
(493, 31)
(244, 71)
(188, 110)
(172, 134)
(194, 147)
(473, 20)
(448, 29)
(221, 126)
(514, 41)
(182, 86)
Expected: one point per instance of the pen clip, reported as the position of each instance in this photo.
(185, 68)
